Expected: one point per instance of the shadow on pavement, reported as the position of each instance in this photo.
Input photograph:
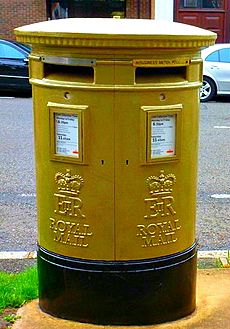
(20, 94)
(222, 99)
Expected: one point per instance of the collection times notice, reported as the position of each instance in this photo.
(67, 139)
(163, 136)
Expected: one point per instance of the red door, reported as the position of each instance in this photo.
(212, 15)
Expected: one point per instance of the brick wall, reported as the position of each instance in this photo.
(138, 8)
(15, 13)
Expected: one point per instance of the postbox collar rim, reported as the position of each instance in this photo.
(122, 33)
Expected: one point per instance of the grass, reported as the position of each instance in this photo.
(17, 289)
(224, 262)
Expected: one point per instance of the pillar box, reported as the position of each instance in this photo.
(116, 105)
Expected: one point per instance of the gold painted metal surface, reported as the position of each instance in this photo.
(128, 191)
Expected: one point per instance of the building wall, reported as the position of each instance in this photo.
(16, 13)
(138, 8)
(164, 10)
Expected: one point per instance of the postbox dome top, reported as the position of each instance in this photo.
(110, 32)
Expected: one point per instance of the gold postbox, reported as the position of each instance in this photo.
(116, 138)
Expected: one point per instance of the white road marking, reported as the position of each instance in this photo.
(220, 196)
(18, 255)
(222, 127)
(28, 194)
(213, 254)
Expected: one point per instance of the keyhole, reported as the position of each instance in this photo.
(67, 95)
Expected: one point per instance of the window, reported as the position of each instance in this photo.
(189, 3)
(201, 4)
(213, 57)
(212, 4)
(225, 55)
(85, 8)
(222, 55)
(7, 51)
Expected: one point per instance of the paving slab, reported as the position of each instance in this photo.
(212, 312)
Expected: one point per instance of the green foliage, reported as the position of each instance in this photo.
(11, 318)
(219, 263)
(16, 289)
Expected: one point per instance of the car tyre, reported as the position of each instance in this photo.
(207, 90)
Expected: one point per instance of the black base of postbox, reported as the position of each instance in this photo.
(136, 292)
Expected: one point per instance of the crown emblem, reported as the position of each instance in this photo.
(161, 183)
(67, 183)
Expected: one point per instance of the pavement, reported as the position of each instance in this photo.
(212, 311)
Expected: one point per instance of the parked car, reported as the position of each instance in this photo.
(14, 72)
(216, 71)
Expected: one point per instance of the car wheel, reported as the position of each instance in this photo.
(207, 90)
